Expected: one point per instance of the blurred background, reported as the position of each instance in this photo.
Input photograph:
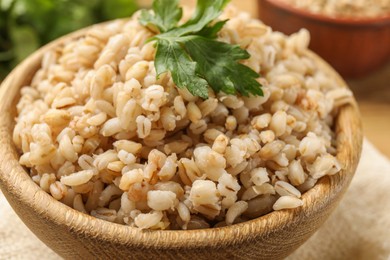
(25, 25)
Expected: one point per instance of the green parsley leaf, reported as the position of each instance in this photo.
(206, 11)
(218, 63)
(167, 14)
(212, 31)
(170, 56)
(192, 55)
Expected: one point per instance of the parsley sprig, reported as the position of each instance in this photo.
(192, 54)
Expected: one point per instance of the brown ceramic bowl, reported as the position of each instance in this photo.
(75, 235)
(354, 47)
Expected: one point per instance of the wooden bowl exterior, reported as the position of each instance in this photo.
(353, 47)
(75, 235)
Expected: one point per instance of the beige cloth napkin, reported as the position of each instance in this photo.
(358, 229)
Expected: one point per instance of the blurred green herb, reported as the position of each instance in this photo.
(190, 52)
(27, 24)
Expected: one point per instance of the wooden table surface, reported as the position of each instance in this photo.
(372, 93)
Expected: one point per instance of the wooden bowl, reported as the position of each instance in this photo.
(354, 47)
(73, 234)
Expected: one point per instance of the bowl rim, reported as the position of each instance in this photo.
(346, 21)
(31, 195)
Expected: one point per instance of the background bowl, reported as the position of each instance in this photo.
(354, 47)
(73, 234)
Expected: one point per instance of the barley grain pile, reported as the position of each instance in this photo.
(345, 8)
(102, 135)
